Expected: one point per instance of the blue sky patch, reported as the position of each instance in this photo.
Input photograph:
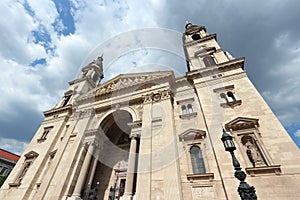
(64, 25)
(28, 9)
(38, 62)
(42, 37)
(292, 130)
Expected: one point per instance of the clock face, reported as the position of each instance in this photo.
(193, 29)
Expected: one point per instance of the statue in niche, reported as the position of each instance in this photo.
(253, 153)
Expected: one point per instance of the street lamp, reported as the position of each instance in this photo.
(245, 191)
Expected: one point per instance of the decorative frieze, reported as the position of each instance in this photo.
(125, 82)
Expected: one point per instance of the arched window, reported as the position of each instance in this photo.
(231, 97)
(190, 109)
(209, 61)
(183, 109)
(196, 36)
(223, 98)
(197, 160)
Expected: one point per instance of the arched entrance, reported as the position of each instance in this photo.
(109, 167)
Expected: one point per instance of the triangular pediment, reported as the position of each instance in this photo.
(128, 80)
(136, 80)
(192, 134)
(242, 123)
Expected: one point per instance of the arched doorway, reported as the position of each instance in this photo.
(109, 177)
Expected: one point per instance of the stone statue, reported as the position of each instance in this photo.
(97, 62)
(253, 154)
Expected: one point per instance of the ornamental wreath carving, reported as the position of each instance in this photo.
(158, 96)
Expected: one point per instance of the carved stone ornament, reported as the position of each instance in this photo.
(122, 81)
(139, 110)
(156, 97)
(80, 114)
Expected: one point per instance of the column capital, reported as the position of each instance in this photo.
(134, 135)
(135, 124)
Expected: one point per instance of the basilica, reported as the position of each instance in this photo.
(154, 136)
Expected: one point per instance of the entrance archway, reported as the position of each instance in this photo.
(111, 164)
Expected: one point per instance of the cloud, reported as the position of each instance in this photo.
(297, 133)
(12, 145)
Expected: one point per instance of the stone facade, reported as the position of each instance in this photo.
(152, 136)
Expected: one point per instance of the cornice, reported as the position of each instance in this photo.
(57, 111)
(132, 102)
(222, 67)
(224, 79)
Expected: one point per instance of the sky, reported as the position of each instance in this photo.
(43, 45)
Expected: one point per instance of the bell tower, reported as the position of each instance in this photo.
(201, 48)
(89, 78)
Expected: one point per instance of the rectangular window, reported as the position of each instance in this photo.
(45, 134)
(2, 172)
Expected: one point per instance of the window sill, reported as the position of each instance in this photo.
(200, 177)
(188, 115)
(274, 169)
(14, 184)
(231, 104)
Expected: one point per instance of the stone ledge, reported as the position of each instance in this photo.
(200, 177)
(14, 184)
(188, 115)
(231, 104)
(274, 169)
(56, 111)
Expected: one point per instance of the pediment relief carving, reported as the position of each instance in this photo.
(242, 123)
(125, 81)
(137, 80)
(192, 134)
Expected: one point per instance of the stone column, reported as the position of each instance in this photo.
(93, 169)
(83, 171)
(131, 167)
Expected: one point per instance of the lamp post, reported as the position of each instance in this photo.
(245, 191)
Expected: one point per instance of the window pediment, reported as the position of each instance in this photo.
(31, 154)
(192, 134)
(242, 123)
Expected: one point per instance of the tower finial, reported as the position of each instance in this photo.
(187, 24)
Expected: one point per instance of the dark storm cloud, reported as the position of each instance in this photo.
(21, 126)
(265, 33)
